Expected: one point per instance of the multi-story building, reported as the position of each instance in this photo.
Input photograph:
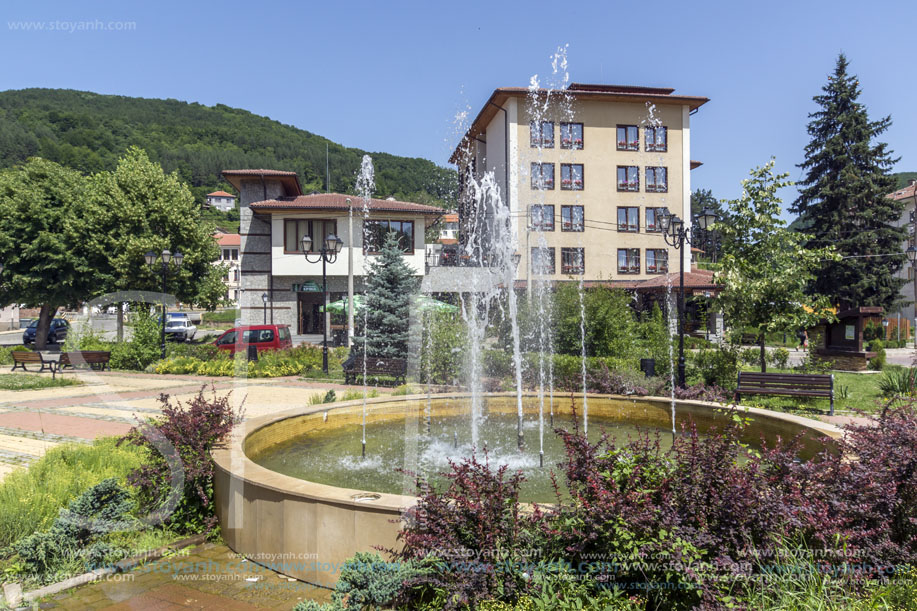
(908, 219)
(221, 200)
(229, 255)
(274, 217)
(585, 179)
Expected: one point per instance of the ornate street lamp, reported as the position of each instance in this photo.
(676, 235)
(912, 257)
(165, 258)
(328, 253)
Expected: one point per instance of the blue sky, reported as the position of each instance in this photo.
(391, 76)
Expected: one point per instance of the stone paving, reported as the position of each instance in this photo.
(209, 576)
(110, 403)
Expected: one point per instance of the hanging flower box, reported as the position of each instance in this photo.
(622, 143)
(565, 141)
(578, 182)
(565, 182)
(650, 268)
(635, 143)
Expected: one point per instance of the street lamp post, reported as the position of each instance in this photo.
(331, 246)
(165, 258)
(264, 308)
(677, 235)
(912, 256)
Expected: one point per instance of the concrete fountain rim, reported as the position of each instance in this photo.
(231, 458)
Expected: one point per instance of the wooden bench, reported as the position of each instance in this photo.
(395, 368)
(21, 357)
(787, 384)
(96, 359)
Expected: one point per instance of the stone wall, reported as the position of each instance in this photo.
(255, 250)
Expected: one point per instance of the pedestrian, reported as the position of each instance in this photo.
(803, 336)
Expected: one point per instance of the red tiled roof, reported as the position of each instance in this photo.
(338, 201)
(289, 179)
(220, 194)
(447, 241)
(228, 239)
(610, 93)
(694, 279)
(450, 218)
(906, 192)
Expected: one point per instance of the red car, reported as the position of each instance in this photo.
(265, 337)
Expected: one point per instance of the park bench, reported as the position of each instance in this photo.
(786, 384)
(376, 366)
(96, 359)
(22, 357)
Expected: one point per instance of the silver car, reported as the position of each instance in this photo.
(180, 330)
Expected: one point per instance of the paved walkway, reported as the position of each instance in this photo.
(208, 577)
(110, 403)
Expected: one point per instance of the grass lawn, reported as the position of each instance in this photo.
(852, 392)
(30, 381)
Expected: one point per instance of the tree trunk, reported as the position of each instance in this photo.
(763, 354)
(120, 318)
(44, 325)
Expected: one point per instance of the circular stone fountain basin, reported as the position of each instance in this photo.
(340, 504)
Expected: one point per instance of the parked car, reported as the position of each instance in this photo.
(57, 332)
(265, 337)
(180, 330)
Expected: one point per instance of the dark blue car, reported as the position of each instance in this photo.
(57, 332)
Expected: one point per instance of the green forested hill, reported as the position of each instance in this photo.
(88, 131)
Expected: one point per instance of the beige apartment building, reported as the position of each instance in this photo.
(585, 178)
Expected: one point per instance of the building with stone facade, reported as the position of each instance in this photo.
(229, 244)
(584, 177)
(274, 216)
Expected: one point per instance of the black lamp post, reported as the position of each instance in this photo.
(166, 257)
(264, 301)
(912, 257)
(677, 235)
(331, 246)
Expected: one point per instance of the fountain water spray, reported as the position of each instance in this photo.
(365, 186)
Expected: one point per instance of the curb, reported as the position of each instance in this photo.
(14, 595)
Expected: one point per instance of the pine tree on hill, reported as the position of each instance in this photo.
(843, 202)
(389, 286)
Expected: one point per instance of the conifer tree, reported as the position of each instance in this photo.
(390, 284)
(843, 202)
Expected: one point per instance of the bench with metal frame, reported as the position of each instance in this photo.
(23, 357)
(820, 386)
(96, 359)
(393, 368)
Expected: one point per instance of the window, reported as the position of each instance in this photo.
(375, 232)
(572, 260)
(628, 178)
(235, 254)
(571, 176)
(543, 218)
(628, 138)
(571, 135)
(657, 261)
(542, 175)
(657, 180)
(628, 260)
(235, 275)
(571, 218)
(656, 139)
(542, 260)
(652, 219)
(257, 336)
(225, 256)
(295, 229)
(543, 137)
(629, 219)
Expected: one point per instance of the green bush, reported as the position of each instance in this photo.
(270, 364)
(443, 352)
(6, 358)
(779, 357)
(204, 352)
(143, 348)
(82, 337)
(899, 382)
(877, 362)
(719, 366)
(224, 316)
(751, 356)
(873, 330)
(30, 498)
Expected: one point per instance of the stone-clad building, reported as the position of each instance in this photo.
(274, 216)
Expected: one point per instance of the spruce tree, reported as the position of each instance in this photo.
(390, 282)
(843, 202)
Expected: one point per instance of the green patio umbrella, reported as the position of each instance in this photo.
(422, 302)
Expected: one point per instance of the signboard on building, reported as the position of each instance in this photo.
(307, 287)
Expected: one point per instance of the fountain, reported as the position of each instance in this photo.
(291, 485)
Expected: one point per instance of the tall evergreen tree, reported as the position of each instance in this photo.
(389, 286)
(843, 202)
